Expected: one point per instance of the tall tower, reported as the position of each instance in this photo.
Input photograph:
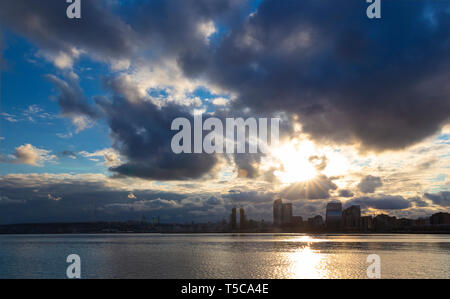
(233, 218)
(242, 220)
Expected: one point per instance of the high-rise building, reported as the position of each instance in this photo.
(277, 212)
(334, 215)
(282, 213)
(385, 222)
(233, 218)
(366, 223)
(242, 220)
(317, 221)
(440, 219)
(351, 217)
(286, 214)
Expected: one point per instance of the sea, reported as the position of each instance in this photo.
(226, 256)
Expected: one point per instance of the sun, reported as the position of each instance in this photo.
(295, 162)
(301, 160)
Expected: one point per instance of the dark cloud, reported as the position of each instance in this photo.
(369, 184)
(317, 188)
(441, 198)
(247, 165)
(71, 99)
(73, 198)
(377, 84)
(419, 202)
(98, 32)
(345, 193)
(239, 197)
(382, 202)
(65, 198)
(141, 133)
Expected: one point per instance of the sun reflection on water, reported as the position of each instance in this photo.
(307, 263)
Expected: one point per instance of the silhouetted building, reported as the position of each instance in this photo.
(316, 222)
(242, 220)
(385, 222)
(366, 223)
(282, 213)
(297, 221)
(233, 218)
(405, 223)
(422, 222)
(277, 212)
(351, 217)
(286, 214)
(334, 215)
(440, 219)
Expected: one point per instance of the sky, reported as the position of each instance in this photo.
(87, 106)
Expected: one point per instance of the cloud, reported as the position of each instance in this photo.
(369, 184)
(338, 76)
(345, 193)
(9, 117)
(146, 205)
(419, 202)
(30, 155)
(441, 198)
(317, 188)
(220, 101)
(69, 154)
(333, 74)
(99, 32)
(141, 133)
(95, 197)
(382, 202)
(72, 102)
(110, 156)
(54, 198)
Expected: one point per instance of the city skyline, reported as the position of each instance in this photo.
(87, 106)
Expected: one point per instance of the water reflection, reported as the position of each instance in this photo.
(307, 263)
(225, 256)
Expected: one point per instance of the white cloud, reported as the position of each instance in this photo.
(62, 60)
(81, 123)
(220, 101)
(64, 136)
(55, 198)
(110, 156)
(9, 117)
(30, 155)
(206, 29)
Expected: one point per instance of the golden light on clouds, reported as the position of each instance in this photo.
(302, 161)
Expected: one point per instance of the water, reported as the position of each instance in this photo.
(225, 255)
